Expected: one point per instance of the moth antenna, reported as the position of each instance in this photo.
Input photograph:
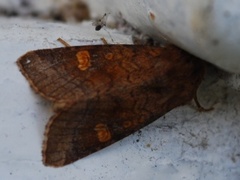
(63, 42)
(104, 41)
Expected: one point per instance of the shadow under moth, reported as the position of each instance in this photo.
(103, 93)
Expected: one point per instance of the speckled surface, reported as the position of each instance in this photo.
(184, 144)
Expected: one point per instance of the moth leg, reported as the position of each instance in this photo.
(63, 42)
(200, 108)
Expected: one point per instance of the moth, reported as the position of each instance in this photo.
(103, 93)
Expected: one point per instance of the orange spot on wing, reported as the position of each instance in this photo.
(133, 123)
(103, 132)
(109, 56)
(127, 124)
(83, 58)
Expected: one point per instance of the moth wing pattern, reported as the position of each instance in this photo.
(106, 93)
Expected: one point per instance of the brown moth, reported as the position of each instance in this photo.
(104, 93)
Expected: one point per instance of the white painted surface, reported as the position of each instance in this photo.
(184, 144)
